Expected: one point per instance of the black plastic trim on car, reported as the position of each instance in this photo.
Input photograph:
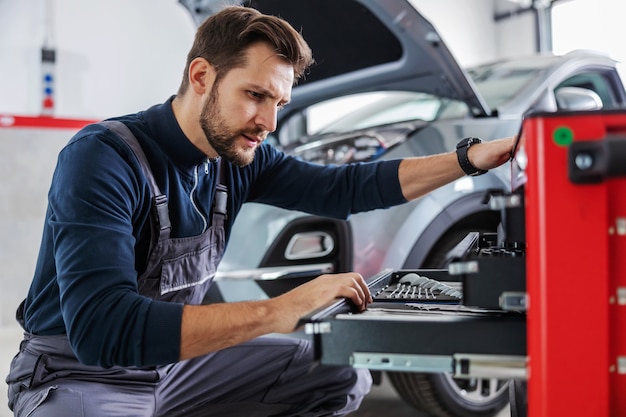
(340, 257)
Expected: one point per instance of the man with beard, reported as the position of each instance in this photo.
(140, 210)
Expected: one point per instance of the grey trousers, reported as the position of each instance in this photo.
(268, 376)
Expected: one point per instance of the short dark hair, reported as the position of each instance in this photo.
(223, 38)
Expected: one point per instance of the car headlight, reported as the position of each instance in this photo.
(352, 147)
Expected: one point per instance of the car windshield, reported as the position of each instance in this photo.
(499, 82)
(496, 82)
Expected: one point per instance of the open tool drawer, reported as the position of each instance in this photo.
(420, 335)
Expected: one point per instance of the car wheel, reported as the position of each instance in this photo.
(442, 395)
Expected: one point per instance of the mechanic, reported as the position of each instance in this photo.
(137, 223)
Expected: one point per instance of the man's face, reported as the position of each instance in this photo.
(240, 110)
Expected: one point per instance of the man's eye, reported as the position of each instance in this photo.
(256, 95)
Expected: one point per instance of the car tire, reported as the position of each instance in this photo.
(441, 395)
(518, 398)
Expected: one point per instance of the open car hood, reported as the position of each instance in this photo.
(364, 45)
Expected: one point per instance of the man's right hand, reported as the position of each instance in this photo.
(317, 293)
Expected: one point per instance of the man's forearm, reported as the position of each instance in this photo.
(208, 328)
(419, 176)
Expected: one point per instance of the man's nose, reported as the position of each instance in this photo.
(266, 118)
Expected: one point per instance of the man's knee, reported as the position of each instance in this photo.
(360, 388)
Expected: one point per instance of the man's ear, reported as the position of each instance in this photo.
(201, 75)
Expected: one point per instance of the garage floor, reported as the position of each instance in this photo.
(382, 401)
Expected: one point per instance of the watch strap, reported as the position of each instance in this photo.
(461, 152)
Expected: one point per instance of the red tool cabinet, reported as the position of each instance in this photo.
(576, 263)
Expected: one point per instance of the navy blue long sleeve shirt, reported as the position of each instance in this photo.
(96, 233)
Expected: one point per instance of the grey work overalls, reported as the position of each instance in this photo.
(268, 376)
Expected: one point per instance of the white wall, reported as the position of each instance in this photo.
(113, 57)
(516, 36)
(27, 161)
(602, 28)
(465, 26)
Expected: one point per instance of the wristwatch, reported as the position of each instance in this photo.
(461, 153)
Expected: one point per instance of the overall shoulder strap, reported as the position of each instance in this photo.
(221, 190)
(159, 200)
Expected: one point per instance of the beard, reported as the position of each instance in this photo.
(222, 138)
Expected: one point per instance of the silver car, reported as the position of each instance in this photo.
(399, 92)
